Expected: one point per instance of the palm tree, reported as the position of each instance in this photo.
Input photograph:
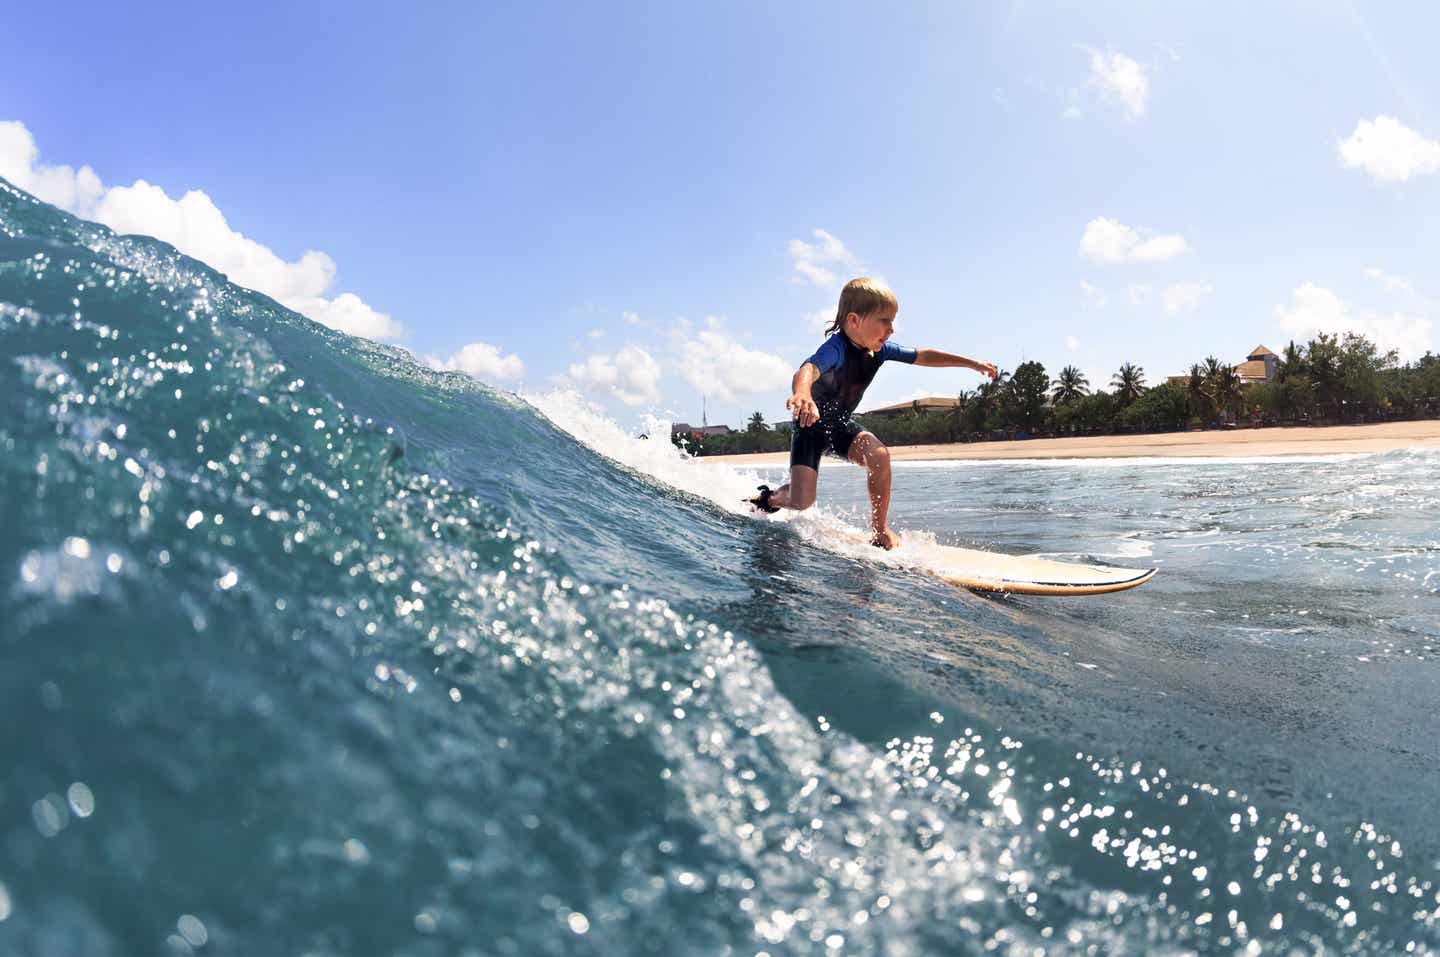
(1071, 386)
(1292, 362)
(1128, 383)
(757, 423)
(1210, 371)
(1214, 385)
(961, 414)
(1201, 405)
(990, 399)
(1229, 393)
(1323, 357)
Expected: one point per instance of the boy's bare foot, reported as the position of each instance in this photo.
(885, 539)
(761, 501)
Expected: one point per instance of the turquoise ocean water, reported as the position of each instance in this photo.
(308, 649)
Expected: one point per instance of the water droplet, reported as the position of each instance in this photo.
(82, 800)
(355, 852)
(50, 815)
(192, 929)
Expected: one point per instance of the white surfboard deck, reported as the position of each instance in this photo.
(1021, 575)
(1017, 574)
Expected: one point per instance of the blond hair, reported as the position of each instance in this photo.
(861, 296)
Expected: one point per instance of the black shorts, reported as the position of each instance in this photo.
(813, 441)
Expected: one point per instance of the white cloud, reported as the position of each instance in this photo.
(631, 375)
(1072, 343)
(1392, 284)
(631, 318)
(1121, 80)
(1316, 309)
(1109, 241)
(76, 191)
(347, 312)
(1184, 296)
(596, 333)
(1093, 294)
(194, 225)
(1138, 295)
(483, 361)
(1389, 151)
(819, 320)
(717, 365)
(815, 263)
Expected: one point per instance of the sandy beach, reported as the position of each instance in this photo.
(1323, 440)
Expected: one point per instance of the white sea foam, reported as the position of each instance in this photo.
(656, 457)
(721, 483)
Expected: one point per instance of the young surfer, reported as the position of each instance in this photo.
(827, 388)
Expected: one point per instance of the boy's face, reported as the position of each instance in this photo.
(870, 332)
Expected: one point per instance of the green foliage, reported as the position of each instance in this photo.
(765, 440)
(1129, 384)
(1028, 387)
(757, 423)
(1361, 368)
(1268, 397)
(1096, 412)
(1162, 408)
(992, 403)
(1071, 385)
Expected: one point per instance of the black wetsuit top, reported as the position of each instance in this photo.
(846, 371)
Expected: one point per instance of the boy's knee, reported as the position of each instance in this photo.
(878, 457)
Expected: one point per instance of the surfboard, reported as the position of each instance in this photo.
(1021, 575)
(1017, 574)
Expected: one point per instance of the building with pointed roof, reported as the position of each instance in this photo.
(931, 403)
(1259, 367)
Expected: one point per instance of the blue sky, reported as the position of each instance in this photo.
(648, 200)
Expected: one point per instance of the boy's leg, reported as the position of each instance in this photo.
(869, 452)
(806, 447)
(799, 492)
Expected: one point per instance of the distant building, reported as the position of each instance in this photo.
(784, 425)
(698, 431)
(1258, 368)
(927, 404)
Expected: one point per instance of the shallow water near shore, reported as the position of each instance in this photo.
(311, 649)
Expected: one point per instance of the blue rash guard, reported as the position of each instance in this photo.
(845, 372)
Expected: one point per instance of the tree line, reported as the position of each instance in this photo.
(1329, 380)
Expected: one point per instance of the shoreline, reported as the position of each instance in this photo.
(1212, 443)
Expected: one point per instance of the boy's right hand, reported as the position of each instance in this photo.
(803, 410)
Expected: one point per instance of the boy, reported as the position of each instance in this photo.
(828, 387)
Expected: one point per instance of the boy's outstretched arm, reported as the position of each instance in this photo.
(802, 407)
(934, 357)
